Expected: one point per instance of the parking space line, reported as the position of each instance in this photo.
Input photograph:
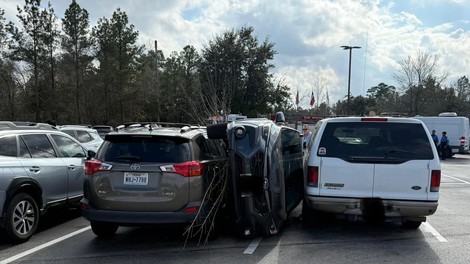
(50, 243)
(253, 245)
(428, 228)
(457, 179)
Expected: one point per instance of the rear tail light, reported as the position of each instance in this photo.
(92, 166)
(462, 141)
(435, 180)
(186, 169)
(312, 176)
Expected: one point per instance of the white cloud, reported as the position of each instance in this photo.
(307, 33)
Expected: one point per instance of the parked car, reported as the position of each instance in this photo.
(103, 130)
(372, 168)
(151, 174)
(89, 137)
(266, 169)
(41, 168)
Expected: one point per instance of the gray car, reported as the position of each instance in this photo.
(41, 168)
(151, 174)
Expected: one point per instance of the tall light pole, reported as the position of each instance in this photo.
(350, 48)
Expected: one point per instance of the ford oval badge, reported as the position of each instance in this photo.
(135, 167)
(416, 188)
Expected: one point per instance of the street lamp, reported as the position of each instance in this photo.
(350, 48)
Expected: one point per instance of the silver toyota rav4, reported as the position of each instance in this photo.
(40, 168)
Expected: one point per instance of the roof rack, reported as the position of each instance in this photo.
(20, 125)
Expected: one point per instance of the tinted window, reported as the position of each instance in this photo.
(8, 146)
(68, 147)
(24, 152)
(376, 140)
(145, 149)
(39, 146)
(210, 149)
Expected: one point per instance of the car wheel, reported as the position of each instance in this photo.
(217, 131)
(22, 217)
(103, 229)
(409, 224)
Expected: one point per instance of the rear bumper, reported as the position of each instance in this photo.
(354, 206)
(131, 218)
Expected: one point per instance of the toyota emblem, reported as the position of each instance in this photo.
(135, 167)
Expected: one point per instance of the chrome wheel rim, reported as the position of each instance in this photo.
(24, 217)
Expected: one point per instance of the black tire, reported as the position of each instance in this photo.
(103, 229)
(21, 219)
(409, 224)
(217, 131)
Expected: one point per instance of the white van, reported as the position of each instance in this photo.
(457, 128)
(372, 168)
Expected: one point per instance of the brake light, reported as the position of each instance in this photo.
(374, 119)
(92, 166)
(312, 176)
(435, 180)
(186, 169)
(462, 141)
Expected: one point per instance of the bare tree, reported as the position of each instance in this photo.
(412, 75)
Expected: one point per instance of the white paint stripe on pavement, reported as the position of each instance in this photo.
(50, 243)
(252, 247)
(457, 179)
(428, 228)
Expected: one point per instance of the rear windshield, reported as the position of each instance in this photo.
(375, 140)
(145, 149)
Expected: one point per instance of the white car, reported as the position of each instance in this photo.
(372, 168)
(87, 136)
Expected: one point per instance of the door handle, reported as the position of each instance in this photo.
(34, 169)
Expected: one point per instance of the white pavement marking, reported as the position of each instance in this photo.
(50, 243)
(252, 247)
(428, 228)
(457, 179)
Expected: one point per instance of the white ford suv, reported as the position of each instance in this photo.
(372, 169)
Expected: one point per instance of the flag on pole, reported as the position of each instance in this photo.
(297, 98)
(312, 101)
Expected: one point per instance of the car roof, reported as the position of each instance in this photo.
(24, 125)
(159, 129)
(371, 119)
(76, 127)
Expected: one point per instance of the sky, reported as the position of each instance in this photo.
(307, 35)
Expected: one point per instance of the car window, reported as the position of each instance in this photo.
(8, 146)
(379, 140)
(69, 132)
(39, 146)
(145, 149)
(209, 149)
(68, 147)
(83, 136)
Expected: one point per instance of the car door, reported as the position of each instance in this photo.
(42, 163)
(73, 155)
(345, 167)
(292, 167)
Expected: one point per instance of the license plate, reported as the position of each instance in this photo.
(133, 178)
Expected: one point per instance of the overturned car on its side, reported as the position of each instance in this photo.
(266, 173)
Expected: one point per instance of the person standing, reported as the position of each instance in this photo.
(307, 135)
(444, 146)
(435, 138)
